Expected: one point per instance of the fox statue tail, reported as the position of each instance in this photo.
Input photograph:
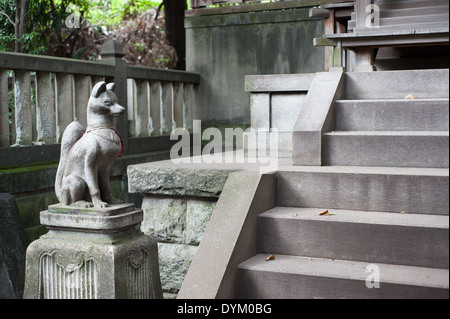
(72, 134)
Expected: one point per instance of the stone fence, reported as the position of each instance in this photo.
(204, 3)
(40, 96)
(256, 5)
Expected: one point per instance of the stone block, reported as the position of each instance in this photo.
(163, 179)
(174, 262)
(164, 218)
(92, 254)
(12, 249)
(176, 220)
(278, 82)
(285, 109)
(260, 110)
(198, 214)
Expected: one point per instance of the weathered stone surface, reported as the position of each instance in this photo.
(174, 262)
(285, 109)
(92, 254)
(198, 214)
(260, 111)
(268, 43)
(176, 220)
(108, 219)
(161, 180)
(12, 249)
(164, 218)
(45, 123)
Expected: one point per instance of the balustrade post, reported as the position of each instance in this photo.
(142, 109)
(178, 102)
(64, 103)
(131, 103)
(188, 116)
(45, 119)
(112, 53)
(155, 107)
(22, 88)
(82, 94)
(4, 109)
(166, 108)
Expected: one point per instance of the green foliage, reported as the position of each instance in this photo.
(44, 19)
(110, 13)
(48, 33)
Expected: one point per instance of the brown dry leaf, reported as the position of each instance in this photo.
(410, 97)
(325, 213)
(271, 257)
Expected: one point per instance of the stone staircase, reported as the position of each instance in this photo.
(385, 185)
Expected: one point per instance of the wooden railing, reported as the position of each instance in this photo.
(40, 96)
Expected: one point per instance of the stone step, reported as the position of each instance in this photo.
(387, 148)
(377, 237)
(386, 189)
(392, 115)
(423, 84)
(298, 277)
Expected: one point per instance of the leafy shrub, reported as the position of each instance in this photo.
(145, 42)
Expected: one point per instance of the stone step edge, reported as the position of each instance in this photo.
(405, 100)
(350, 270)
(357, 216)
(366, 170)
(389, 133)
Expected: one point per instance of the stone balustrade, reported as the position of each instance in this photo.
(40, 96)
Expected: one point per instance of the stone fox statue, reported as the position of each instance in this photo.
(87, 155)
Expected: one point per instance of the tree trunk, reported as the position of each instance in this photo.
(174, 15)
(21, 26)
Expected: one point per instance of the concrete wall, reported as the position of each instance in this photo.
(224, 48)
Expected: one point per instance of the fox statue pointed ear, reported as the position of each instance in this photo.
(98, 89)
(110, 86)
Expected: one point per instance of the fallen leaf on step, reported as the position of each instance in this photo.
(410, 97)
(325, 213)
(402, 213)
(271, 257)
(295, 215)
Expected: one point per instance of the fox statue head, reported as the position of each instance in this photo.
(103, 105)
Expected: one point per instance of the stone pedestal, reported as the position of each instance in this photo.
(92, 254)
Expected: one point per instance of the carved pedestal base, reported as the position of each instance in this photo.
(92, 254)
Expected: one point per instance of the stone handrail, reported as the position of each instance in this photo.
(159, 100)
(49, 93)
(205, 3)
(263, 4)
